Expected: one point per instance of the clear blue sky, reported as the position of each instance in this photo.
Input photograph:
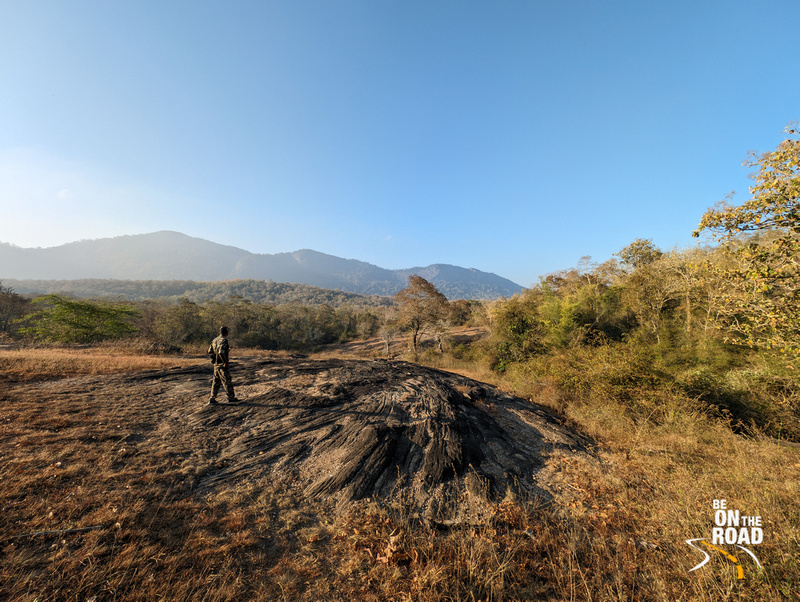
(510, 136)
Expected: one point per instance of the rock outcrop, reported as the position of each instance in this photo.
(347, 430)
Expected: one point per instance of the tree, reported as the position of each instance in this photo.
(460, 312)
(581, 305)
(649, 292)
(12, 307)
(421, 305)
(685, 272)
(763, 235)
(183, 323)
(774, 204)
(518, 330)
(65, 320)
(639, 253)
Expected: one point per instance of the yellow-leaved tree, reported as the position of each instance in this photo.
(762, 236)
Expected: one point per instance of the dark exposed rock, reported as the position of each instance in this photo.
(349, 430)
(335, 431)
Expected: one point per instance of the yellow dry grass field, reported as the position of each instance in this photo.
(28, 365)
(106, 459)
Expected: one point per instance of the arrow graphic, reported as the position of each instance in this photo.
(703, 552)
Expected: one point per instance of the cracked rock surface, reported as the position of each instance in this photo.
(349, 429)
(335, 429)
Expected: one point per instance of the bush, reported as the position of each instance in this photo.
(65, 320)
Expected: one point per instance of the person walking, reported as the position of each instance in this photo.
(219, 351)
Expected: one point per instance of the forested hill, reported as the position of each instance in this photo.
(174, 256)
(257, 291)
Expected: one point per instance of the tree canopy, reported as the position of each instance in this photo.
(66, 320)
(774, 202)
(421, 305)
(763, 237)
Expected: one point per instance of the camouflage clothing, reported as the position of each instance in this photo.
(219, 351)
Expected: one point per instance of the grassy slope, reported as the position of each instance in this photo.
(617, 531)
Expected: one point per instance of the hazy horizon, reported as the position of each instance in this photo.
(434, 263)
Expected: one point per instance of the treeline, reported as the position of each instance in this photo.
(159, 325)
(659, 334)
(162, 325)
(747, 287)
(642, 296)
(169, 315)
(257, 291)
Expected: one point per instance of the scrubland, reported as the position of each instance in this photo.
(681, 367)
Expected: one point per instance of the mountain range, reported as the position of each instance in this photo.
(174, 256)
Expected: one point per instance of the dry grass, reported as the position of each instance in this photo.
(30, 365)
(616, 530)
(664, 458)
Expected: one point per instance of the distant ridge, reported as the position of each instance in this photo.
(169, 255)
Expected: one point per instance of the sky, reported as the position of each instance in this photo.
(514, 137)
